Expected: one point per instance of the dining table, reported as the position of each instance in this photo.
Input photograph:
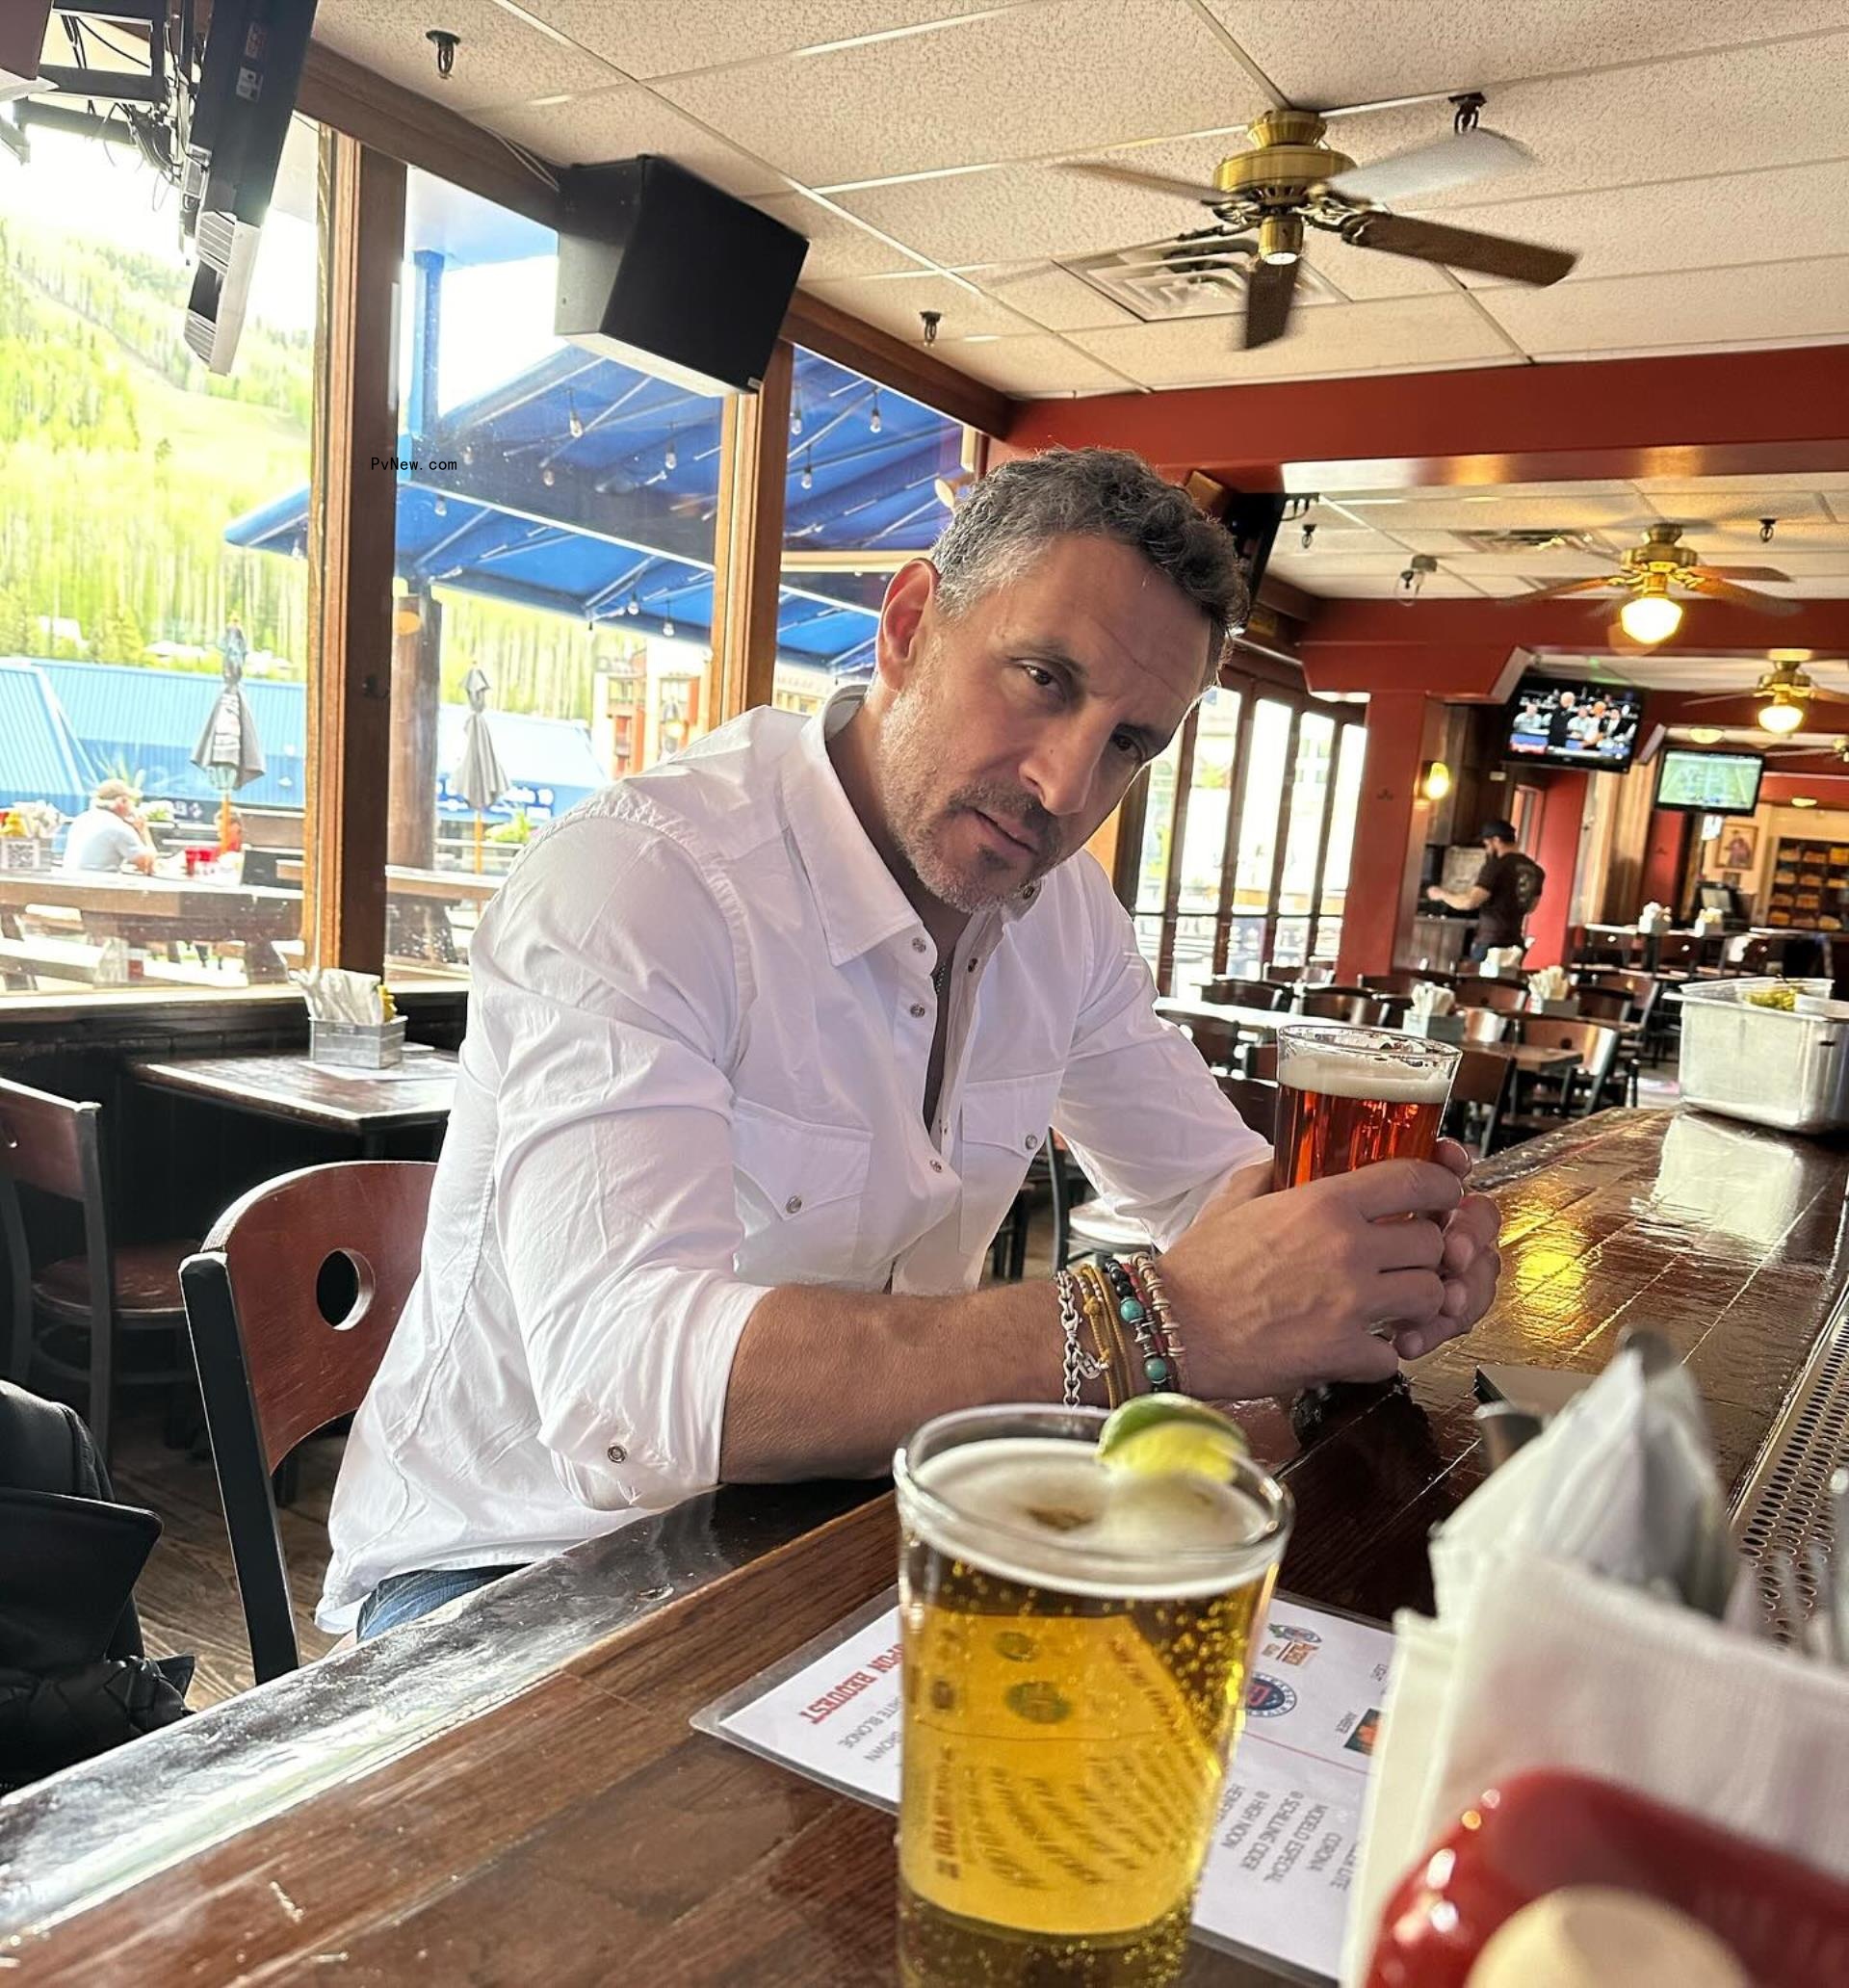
(511, 1791)
(367, 1106)
(159, 912)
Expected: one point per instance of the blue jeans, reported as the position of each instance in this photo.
(402, 1598)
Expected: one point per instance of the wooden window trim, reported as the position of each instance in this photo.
(1246, 689)
(747, 553)
(1337, 738)
(1177, 835)
(353, 547)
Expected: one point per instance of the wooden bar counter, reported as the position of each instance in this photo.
(514, 1795)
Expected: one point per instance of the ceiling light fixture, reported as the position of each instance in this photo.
(1309, 534)
(1650, 617)
(1419, 567)
(1706, 734)
(1804, 801)
(1779, 716)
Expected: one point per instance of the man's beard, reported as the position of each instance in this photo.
(910, 754)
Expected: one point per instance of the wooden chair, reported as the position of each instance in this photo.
(1678, 954)
(1217, 1041)
(1354, 1010)
(1265, 994)
(1594, 1044)
(292, 1300)
(1484, 1025)
(1284, 975)
(1257, 1099)
(1399, 982)
(1264, 1063)
(1604, 1003)
(1480, 1094)
(1506, 997)
(106, 1299)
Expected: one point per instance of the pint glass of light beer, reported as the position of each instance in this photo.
(1347, 1097)
(1075, 1662)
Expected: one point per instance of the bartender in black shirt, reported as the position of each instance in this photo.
(1507, 888)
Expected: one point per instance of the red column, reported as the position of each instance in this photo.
(1668, 846)
(1563, 805)
(1386, 826)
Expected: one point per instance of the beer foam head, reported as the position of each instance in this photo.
(1381, 1078)
(1046, 1513)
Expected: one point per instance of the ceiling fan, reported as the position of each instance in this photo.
(1652, 613)
(1787, 693)
(1263, 200)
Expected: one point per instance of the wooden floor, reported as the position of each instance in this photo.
(188, 1596)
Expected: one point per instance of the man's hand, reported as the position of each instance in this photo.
(1279, 1292)
(1470, 1268)
(1436, 892)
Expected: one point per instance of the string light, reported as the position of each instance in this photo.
(547, 477)
(795, 421)
(667, 627)
(808, 478)
(874, 425)
(671, 458)
(572, 421)
(634, 606)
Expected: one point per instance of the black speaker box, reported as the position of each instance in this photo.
(664, 271)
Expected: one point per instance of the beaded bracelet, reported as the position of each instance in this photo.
(1140, 1319)
(1078, 1366)
(1148, 1278)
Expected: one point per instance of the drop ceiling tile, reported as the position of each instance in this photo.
(1798, 494)
(1049, 295)
(1336, 52)
(1457, 494)
(1365, 273)
(1415, 333)
(1783, 302)
(1554, 563)
(893, 304)
(621, 122)
(839, 247)
(498, 57)
(932, 100)
(1782, 216)
(659, 37)
(1504, 511)
(1385, 586)
(1038, 365)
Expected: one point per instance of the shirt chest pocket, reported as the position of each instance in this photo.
(1004, 1126)
(799, 1187)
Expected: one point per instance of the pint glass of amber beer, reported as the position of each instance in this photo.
(1075, 1659)
(1347, 1097)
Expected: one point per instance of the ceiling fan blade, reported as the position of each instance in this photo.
(1456, 160)
(1150, 182)
(1599, 583)
(1740, 572)
(1269, 291)
(1710, 589)
(1739, 697)
(1488, 255)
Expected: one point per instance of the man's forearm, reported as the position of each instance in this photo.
(826, 1383)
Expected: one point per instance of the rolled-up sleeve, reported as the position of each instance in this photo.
(1139, 1106)
(610, 1011)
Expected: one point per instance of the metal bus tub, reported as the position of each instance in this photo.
(1775, 1069)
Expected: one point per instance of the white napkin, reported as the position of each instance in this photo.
(336, 994)
(1503, 959)
(1551, 983)
(1430, 999)
(1562, 1640)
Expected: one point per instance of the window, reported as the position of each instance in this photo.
(131, 598)
(556, 541)
(872, 479)
(1258, 792)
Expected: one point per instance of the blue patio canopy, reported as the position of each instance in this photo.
(589, 489)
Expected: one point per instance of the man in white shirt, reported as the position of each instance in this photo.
(108, 834)
(762, 1042)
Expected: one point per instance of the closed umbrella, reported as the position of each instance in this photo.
(478, 777)
(229, 753)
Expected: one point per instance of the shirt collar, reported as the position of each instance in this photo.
(857, 898)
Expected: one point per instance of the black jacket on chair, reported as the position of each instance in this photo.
(74, 1679)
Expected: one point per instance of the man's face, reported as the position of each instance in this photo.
(1008, 733)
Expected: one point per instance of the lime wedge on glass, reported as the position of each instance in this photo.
(1156, 1435)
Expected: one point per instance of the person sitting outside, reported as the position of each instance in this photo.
(762, 1042)
(110, 835)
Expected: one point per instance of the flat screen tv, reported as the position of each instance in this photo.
(1553, 721)
(1710, 783)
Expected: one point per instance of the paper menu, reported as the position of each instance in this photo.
(1277, 1882)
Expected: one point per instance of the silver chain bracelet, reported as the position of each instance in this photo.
(1080, 1366)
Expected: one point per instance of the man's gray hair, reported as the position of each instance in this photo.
(1011, 517)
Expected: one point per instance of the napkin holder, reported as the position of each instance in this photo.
(1435, 1028)
(357, 1045)
(1563, 1009)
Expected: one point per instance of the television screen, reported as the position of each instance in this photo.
(1710, 783)
(1556, 722)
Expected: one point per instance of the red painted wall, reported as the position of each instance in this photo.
(1663, 857)
(1384, 825)
(1563, 802)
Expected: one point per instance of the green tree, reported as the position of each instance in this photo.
(16, 627)
(120, 637)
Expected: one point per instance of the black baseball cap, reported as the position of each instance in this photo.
(1496, 831)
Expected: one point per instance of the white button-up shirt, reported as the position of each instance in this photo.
(699, 1020)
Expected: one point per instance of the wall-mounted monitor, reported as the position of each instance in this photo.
(1710, 783)
(1555, 722)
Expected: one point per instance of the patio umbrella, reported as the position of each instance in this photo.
(478, 777)
(229, 753)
